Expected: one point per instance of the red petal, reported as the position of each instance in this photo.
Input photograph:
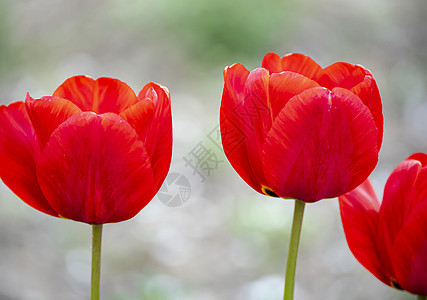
(79, 90)
(100, 96)
(245, 118)
(421, 157)
(398, 201)
(285, 85)
(420, 186)
(256, 117)
(321, 145)
(359, 214)
(298, 63)
(273, 63)
(158, 137)
(95, 169)
(410, 250)
(361, 82)
(112, 95)
(256, 111)
(345, 75)
(47, 113)
(403, 222)
(234, 84)
(369, 94)
(231, 125)
(139, 116)
(17, 144)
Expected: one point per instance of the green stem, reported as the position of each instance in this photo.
(96, 261)
(293, 250)
(421, 297)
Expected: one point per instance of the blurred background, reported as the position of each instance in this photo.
(217, 239)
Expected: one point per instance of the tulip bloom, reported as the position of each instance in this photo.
(390, 239)
(292, 129)
(92, 152)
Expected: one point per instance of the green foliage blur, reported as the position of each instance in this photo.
(210, 32)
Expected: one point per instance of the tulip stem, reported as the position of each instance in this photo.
(293, 250)
(421, 297)
(96, 261)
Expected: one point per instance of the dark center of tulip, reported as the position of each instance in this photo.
(395, 284)
(269, 192)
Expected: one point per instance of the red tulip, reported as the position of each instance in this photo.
(294, 130)
(93, 152)
(390, 239)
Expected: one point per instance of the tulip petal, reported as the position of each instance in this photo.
(398, 201)
(255, 114)
(112, 95)
(297, 63)
(420, 186)
(321, 145)
(95, 169)
(345, 75)
(410, 248)
(285, 85)
(421, 157)
(158, 137)
(256, 111)
(244, 101)
(231, 125)
(79, 90)
(47, 113)
(139, 116)
(368, 92)
(234, 85)
(100, 96)
(361, 82)
(17, 146)
(359, 213)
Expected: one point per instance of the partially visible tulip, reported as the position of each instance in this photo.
(292, 129)
(93, 152)
(390, 239)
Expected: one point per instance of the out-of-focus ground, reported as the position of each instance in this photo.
(226, 241)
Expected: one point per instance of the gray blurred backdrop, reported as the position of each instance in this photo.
(226, 241)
